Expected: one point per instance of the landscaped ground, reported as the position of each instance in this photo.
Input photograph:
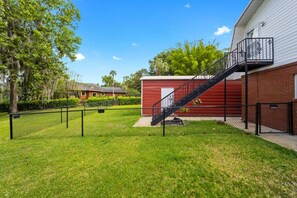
(114, 159)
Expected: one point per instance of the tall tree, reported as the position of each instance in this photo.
(109, 80)
(188, 58)
(159, 66)
(113, 73)
(35, 36)
(191, 58)
(132, 83)
(106, 81)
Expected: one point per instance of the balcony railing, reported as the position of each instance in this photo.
(256, 50)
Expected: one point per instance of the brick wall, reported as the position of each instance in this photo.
(273, 86)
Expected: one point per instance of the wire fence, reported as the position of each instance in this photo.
(120, 121)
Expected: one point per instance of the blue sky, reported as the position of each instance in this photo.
(124, 35)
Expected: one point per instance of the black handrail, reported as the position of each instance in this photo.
(209, 73)
(248, 50)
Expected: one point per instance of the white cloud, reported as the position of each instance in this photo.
(116, 58)
(135, 45)
(188, 5)
(79, 57)
(222, 30)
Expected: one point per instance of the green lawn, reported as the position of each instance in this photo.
(201, 159)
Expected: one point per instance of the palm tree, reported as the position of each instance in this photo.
(113, 73)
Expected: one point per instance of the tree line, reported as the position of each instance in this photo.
(35, 36)
(187, 58)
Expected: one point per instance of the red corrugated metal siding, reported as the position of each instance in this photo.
(214, 96)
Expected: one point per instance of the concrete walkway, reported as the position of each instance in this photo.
(283, 139)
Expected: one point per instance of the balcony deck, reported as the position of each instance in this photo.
(254, 64)
(255, 52)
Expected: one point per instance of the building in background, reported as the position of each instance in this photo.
(87, 90)
(154, 88)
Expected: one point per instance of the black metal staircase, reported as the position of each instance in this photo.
(221, 69)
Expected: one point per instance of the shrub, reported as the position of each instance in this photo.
(109, 101)
(61, 103)
(101, 101)
(39, 104)
(30, 105)
(129, 100)
(4, 107)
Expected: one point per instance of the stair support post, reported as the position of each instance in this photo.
(225, 99)
(164, 124)
(246, 90)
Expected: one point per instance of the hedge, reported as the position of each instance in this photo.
(129, 100)
(101, 101)
(109, 101)
(39, 104)
(4, 107)
(91, 102)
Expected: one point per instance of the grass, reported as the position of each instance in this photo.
(202, 159)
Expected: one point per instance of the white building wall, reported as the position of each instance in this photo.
(238, 36)
(280, 22)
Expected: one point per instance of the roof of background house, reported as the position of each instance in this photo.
(94, 87)
(232, 77)
(116, 89)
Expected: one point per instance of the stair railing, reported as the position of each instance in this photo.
(231, 59)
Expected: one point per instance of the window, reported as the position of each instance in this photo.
(94, 94)
(295, 87)
(250, 34)
(254, 33)
(83, 93)
(254, 48)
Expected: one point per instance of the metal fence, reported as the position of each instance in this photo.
(119, 121)
(274, 118)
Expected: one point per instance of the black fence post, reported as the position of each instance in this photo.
(67, 111)
(11, 126)
(246, 88)
(225, 99)
(260, 118)
(290, 117)
(82, 123)
(164, 122)
(84, 108)
(257, 119)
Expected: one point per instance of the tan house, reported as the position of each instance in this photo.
(87, 90)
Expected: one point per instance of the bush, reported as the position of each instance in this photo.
(30, 105)
(109, 101)
(61, 103)
(101, 101)
(129, 100)
(39, 104)
(72, 102)
(4, 107)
